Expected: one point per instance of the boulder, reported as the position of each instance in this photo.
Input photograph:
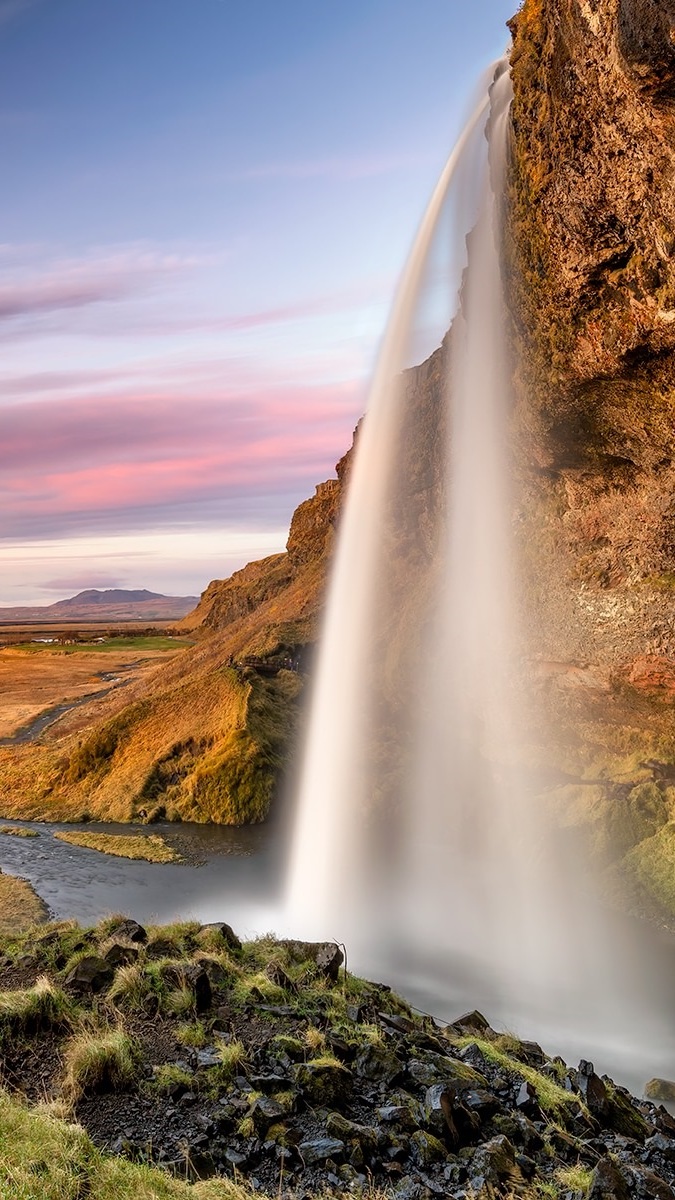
(266, 1111)
(378, 1063)
(131, 931)
(326, 956)
(495, 1163)
(608, 1182)
(118, 955)
(324, 1083)
(320, 1150)
(91, 974)
(226, 932)
(426, 1150)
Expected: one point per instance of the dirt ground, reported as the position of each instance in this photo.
(32, 682)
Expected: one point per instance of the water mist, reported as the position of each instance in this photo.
(418, 840)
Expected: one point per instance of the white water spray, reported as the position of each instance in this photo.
(417, 841)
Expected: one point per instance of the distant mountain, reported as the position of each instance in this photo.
(113, 604)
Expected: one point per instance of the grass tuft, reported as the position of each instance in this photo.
(30, 1010)
(148, 847)
(99, 1061)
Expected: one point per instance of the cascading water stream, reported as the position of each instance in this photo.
(417, 841)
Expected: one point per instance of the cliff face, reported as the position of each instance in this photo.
(591, 275)
(206, 738)
(592, 270)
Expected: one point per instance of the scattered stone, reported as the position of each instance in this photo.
(91, 974)
(226, 932)
(118, 955)
(131, 931)
(608, 1182)
(324, 1083)
(320, 1150)
(426, 1149)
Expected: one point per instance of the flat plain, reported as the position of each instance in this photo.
(36, 677)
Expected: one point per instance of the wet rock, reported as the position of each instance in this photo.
(266, 1111)
(399, 1116)
(118, 955)
(495, 1163)
(431, 1068)
(269, 1084)
(320, 1150)
(324, 1083)
(624, 1118)
(350, 1132)
(426, 1150)
(91, 974)
(438, 1113)
(660, 1089)
(378, 1063)
(471, 1022)
(608, 1182)
(226, 932)
(648, 1186)
(660, 1147)
(326, 956)
(131, 931)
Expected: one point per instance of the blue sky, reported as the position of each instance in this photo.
(204, 210)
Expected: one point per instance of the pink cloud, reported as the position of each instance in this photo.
(89, 462)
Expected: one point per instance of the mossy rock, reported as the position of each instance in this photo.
(324, 1083)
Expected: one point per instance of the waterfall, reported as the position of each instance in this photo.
(418, 841)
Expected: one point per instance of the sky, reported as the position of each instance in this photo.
(205, 207)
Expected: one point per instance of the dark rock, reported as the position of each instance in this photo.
(266, 1111)
(320, 1150)
(608, 1182)
(192, 976)
(438, 1068)
(426, 1150)
(396, 1022)
(278, 976)
(269, 1084)
(209, 1056)
(118, 955)
(649, 1186)
(326, 956)
(216, 972)
(495, 1163)
(159, 948)
(410, 1188)
(226, 932)
(471, 1022)
(352, 1133)
(131, 931)
(593, 1090)
(90, 974)
(324, 1083)
(400, 1116)
(482, 1102)
(438, 1114)
(356, 1013)
(378, 1063)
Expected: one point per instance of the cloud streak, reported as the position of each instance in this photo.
(80, 284)
(131, 461)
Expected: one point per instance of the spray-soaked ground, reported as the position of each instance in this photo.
(238, 881)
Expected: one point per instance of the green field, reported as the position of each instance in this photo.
(158, 642)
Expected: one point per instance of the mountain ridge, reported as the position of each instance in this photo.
(104, 604)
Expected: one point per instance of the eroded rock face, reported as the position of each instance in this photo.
(591, 274)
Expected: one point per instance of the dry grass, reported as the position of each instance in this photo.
(98, 1061)
(43, 1158)
(18, 831)
(149, 847)
(20, 905)
(41, 678)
